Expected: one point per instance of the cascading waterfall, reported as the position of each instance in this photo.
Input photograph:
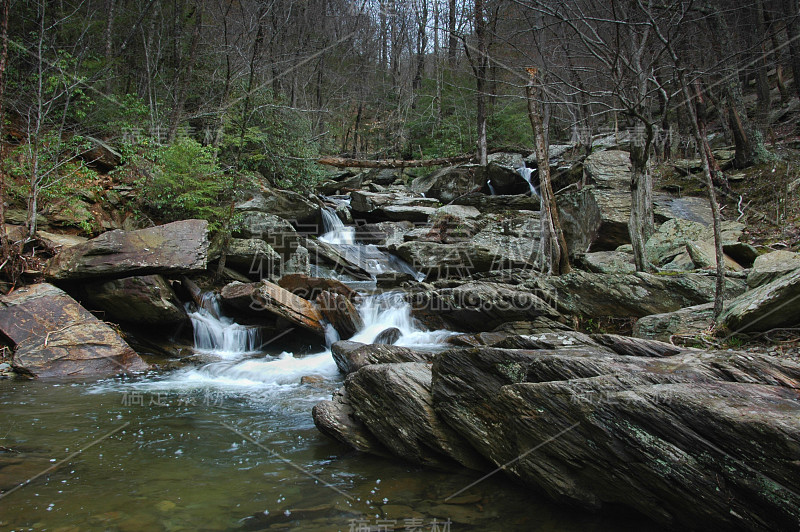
(526, 172)
(215, 333)
(491, 188)
(243, 368)
(335, 231)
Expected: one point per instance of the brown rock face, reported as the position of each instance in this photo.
(340, 313)
(310, 287)
(144, 299)
(56, 337)
(178, 247)
(271, 298)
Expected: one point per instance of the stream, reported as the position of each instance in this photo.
(231, 445)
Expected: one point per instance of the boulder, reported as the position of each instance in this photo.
(70, 213)
(337, 186)
(299, 262)
(690, 208)
(502, 171)
(352, 356)
(704, 255)
(254, 257)
(409, 213)
(384, 176)
(364, 202)
(609, 169)
(686, 321)
(289, 205)
(274, 300)
(459, 212)
(499, 203)
(388, 336)
(147, 299)
(310, 287)
(458, 248)
(336, 419)
(383, 233)
(340, 312)
(447, 184)
(772, 305)
(58, 242)
(395, 404)
(178, 247)
(595, 219)
(100, 155)
(54, 336)
(741, 252)
(608, 262)
(771, 266)
(270, 228)
(480, 306)
(664, 432)
(628, 295)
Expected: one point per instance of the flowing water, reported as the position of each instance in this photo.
(526, 173)
(231, 445)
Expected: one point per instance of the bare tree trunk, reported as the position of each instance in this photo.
(699, 132)
(793, 34)
(5, 245)
(480, 81)
(183, 86)
(641, 226)
(553, 252)
(452, 40)
(108, 41)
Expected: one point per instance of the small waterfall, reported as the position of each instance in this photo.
(491, 188)
(335, 231)
(526, 172)
(390, 309)
(218, 334)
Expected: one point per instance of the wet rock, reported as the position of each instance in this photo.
(771, 266)
(686, 321)
(664, 432)
(352, 356)
(772, 305)
(336, 419)
(502, 171)
(147, 299)
(310, 287)
(178, 247)
(338, 186)
(438, 261)
(364, 202)
(395, 404)
(269, 298)
(340, 312)
(54, 336)
(341, 259)
(388, 336)
(449, 183)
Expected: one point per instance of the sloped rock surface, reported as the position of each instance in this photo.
(54, 336)
(147, 299)
(178, 247)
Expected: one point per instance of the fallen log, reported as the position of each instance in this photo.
(341, 162)
(344, 162)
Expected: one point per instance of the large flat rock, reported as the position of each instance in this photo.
(178, 247)
(54, 336)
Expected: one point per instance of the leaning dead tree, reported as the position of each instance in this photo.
(553, 251)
